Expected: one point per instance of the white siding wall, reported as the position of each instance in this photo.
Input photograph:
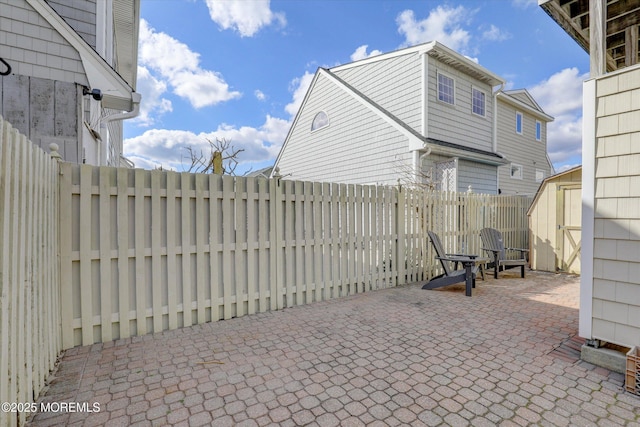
(456, 123)
(394, 84)
(520, 149)
(357, 147)
(616, 247)
(33, 48)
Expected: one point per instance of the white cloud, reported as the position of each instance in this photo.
(525, 3)
(561, 96)
(299, 87)
(444, 24)
(260, 96)
(152, 104)
(495, 34)
(167, 148)
(246, 17)
(361, 53)
(174, 64)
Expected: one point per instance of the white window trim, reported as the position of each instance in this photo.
(485, 102)
(518, 113)
(538, 123)
(541, 171)
(511, 171)
(438, 73)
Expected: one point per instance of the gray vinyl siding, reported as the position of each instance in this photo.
(482, 178)
(356, 147)
(34, 48)
(394, 84)
(80, 15)
(456, 123)
(521, 149)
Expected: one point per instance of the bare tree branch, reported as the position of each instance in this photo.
(222, 158)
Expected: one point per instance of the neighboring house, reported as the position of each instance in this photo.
(421, 115)
(610, 273)
(70, 70)
(522, 139)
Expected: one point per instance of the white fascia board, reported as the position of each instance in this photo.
(465, 62)
(115, 90)
(433, 47)
(519, 104)
(295, 121)
(422, 48)
(415, 143)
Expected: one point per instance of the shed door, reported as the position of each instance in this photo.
(569, 216)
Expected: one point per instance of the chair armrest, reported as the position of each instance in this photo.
(495, 251)
(463, 256)
(517, 249)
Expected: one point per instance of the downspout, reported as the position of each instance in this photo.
(417, 156)
(135, 111)
(495, 118)
(495, 131)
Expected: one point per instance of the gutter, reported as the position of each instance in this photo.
(135, 111)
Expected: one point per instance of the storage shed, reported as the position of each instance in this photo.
(555, 223)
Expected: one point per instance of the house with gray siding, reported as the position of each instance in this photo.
(522, 139)
(67, 80)
(423, 115)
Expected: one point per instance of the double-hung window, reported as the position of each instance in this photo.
(446, 89)
(478, 100)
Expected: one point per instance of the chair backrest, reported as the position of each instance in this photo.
(492, 239)
(437, 245)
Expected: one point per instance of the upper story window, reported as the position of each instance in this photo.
(519, 122)
(320, 121)
(446, 89)
(478, 99)
(538, 130)
(539, 175)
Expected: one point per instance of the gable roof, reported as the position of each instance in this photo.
(433, 145)
(116, 91)
(521, 98)
(549, 179)
(439, 51)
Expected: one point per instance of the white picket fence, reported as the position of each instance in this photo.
(30, 336)
(146, 251)
(93, 254)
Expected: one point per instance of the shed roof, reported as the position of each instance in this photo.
(549, 179)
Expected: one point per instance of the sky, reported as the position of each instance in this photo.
(238, 70)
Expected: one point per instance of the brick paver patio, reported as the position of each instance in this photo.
(402, 356)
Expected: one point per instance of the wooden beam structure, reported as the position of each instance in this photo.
(617, 25)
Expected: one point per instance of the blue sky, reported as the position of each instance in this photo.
(238, 70)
